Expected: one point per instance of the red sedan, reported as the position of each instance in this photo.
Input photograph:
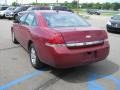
(60, 39)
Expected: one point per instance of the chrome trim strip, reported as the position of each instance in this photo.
(54, 45)
(77, 44)
(84, 43)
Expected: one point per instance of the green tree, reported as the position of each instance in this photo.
(66, 3)
(74, 4)
(106, 5)
(97, 6)
(84, 5)
(14, 4)
(90, 5)
(115, 6)
(34, 3)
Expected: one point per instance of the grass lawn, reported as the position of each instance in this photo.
(83, 12)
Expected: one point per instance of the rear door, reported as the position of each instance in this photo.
(18, 26)
(28, 25)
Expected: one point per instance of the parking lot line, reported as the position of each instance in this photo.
(9, 48)
(92, 84)
(115, 80)
(19, 80)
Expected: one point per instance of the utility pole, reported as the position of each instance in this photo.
(16, 1)
(6, 2)
(78, 6)
(22, 2)
(36, 1)
(57, 2)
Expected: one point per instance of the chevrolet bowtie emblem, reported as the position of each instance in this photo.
(88, 36)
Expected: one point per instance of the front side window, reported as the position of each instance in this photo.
(65, 20)
(30, 8)
(17, 8)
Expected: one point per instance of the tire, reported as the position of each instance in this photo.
(9, 18)
(14, 39)
(36, 63)
(3, 16)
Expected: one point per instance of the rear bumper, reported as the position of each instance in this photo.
(112, 29)
(62, 57)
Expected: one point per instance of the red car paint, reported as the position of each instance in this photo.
(55, 46)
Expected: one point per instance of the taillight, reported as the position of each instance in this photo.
(56, 39)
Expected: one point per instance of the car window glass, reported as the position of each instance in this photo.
(22, 19)
(65, 20)
(29, 19)
(17, 9)
(23, 9)
(30, 8)
(4, 8)
(34, 23)
(117, 17)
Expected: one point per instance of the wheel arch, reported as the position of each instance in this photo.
(29, 43)
(11, 29)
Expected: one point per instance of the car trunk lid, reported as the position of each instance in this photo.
(82, 36)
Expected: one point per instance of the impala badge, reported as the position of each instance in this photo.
(88, 36)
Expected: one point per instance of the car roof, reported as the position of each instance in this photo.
(51, 11)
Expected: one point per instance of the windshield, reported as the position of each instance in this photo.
(18, 8)
(30, 8)
(3, 8)
(65, 20)
(117, 17)
(10, 8)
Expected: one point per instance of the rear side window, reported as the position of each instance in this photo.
(22, 18)
(34, 23)
(31, 20)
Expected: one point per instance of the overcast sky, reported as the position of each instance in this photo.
(52, 1)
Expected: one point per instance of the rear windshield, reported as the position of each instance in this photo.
(59, 8)
(65, 20)
(38, 8)
(117, 17)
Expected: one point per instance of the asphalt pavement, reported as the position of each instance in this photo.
(16, 72)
